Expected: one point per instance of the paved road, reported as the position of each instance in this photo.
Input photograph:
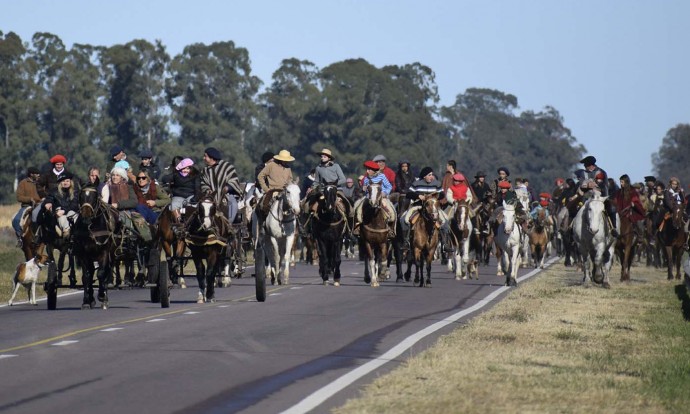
(235, 355)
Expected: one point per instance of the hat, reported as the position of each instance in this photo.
(559, 181)
(327, 153)
(213, 153)
(119, 171)
(116, 149)
(649, 178)
(504, 169)
(122, 164)
(546, 196)
(32, 170)
(588, 160)
(379, 158)
(425, 171)
(284, 155)
(504, 184)
(58, 158)
(371, 165)
(544, 203)
(267, 156)
(64, 176)
(146, 153)
(480, 173)
(458, 177)
(187, 162)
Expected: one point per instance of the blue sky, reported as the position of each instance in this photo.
(617, 71)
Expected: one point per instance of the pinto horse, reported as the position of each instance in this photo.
(94, 230)
(594, 240)
(461, 229)
(206, 236)
(374, 233)
(279, 231)
(673, 236)
(425, 237)
(328, 227)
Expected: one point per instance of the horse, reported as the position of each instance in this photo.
(45, 239)
(486, 233)
(539, 237)
(461, 232)
(328, 227)
(206, 236)
(278, 231)
(626, 243)
(425, 238)
(94, 228)
(508, 241)
(173, 246)
(374, 233)
(672, 236)
(595, 243)
(305, 242)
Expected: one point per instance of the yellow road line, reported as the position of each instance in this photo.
(96, 328)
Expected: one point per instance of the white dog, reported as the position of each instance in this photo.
(27, 276)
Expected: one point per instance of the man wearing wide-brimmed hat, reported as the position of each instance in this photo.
(328, 172)
(275, 176)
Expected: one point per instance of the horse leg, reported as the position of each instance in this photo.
(87, 280)
(200, 273)
(323, 262)
(212, 270)
(429, 259)
(103, 279)
(289, 242)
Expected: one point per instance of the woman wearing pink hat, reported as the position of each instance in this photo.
(185, 186)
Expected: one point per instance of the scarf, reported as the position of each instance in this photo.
(118, 192)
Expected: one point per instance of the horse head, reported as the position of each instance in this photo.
(88, 201)
(595, 213)
(542, 220)
(677, 217)
(462, 210)
(508, 217)
(330, 197)
(374, 195)
(290, 200)
(430, 207)
(206, 211)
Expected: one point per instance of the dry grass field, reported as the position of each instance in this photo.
(552, 346)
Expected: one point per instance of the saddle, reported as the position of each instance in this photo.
(135, 222)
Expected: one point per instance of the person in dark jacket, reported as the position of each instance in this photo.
(63, 202)
(149, 165)
(47, 183)
(186, 186)
(27, 196)
(150, 199)
(480, 187)
(170, 171)
(404, 177)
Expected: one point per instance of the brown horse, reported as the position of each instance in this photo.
(173, 246)
(425, 235)
(464, 239)
(626, 243)
(539, 237)
(374, 233)
(672, 236)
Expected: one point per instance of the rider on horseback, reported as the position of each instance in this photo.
(374, 176)
(63, 202)
(593, 172)
(274, 178)
(328, 172)
(27, 196)
(426, 185)
(220, 178)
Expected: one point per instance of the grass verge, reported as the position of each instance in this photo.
(554, 346)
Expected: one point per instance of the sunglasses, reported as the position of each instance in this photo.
(141, 178)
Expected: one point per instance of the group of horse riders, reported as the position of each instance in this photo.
(57, 190)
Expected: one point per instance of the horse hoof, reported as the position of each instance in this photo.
(325, 282)
(336, 283)
(374, 284)
(200, 298)
(458, 278)
(104, 305)
(85, 306)
(606, 285)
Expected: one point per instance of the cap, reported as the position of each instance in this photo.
(379, 158)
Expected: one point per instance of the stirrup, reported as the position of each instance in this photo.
(355, 230)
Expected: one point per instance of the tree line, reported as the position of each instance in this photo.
(80, 101)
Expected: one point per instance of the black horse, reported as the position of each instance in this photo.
(328, 227)
(93, 232)
(48, 239)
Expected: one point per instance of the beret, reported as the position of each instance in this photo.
(116, 149)
(371, 165)
(503, 184)
(58, 158)
(425, 171)
(213, 153)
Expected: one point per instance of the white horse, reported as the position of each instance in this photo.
(594, 241)
(279, 232)
(508, 238)
(461, 229)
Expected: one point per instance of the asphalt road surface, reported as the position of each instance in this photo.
(309, 347)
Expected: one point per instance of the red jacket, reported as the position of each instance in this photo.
(632, 207)
(390, 174)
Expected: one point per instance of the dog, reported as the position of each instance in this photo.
(27, 276)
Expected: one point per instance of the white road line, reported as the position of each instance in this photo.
(296, 287)
(319, 396)
(224, 306)
(64, 343)
(275, 294)
(6, 356)
(190, 313)
(155, 320)
(111, 329)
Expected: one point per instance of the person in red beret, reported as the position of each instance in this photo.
(48, 181)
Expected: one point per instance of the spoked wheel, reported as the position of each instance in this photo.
(51, 286)
(260, 273)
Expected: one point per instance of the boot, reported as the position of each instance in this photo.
(391, 230)
(445, 242)
(406, 238)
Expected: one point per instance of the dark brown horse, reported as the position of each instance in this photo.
(672, 236)
(328, 227)
(626, 243)
(374, 233)
(425, 236)
(539, 237)
(206, 235)
(173, 246)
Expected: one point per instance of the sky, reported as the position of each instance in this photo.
(617, 71)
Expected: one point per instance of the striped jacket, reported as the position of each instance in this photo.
(218, 175)
(386, 186)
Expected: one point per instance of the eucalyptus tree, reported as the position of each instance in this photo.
(211, 92)
(673, 159)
